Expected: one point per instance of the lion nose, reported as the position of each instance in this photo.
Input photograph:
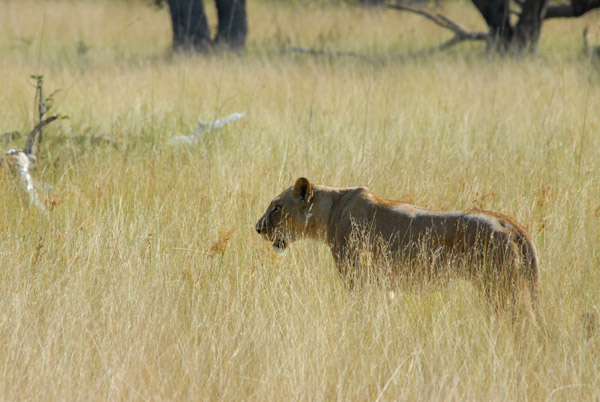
(259, 228)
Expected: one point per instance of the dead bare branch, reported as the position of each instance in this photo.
(322, 52)
(203, 127)
(448, 44)
(460, 32)
(37, 129)
(20, 161)
(41, 106)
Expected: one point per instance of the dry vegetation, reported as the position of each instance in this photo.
(147, 281)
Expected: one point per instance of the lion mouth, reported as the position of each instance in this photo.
(280, 246)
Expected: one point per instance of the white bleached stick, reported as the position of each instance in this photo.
(203, 126)
(21, 162)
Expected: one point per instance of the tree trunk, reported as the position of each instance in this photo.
(504, 37)
(233, 25)
(497, 17)
(190, 27)
(529, 27)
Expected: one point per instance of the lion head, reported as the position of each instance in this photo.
(288, 216)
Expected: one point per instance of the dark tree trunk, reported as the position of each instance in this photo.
(504, 37)
(497, 17)
(190, 28)
(529, 26)
(233, 25)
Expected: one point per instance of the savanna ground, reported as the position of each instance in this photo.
(147, 280)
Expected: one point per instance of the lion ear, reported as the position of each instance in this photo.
(302, 190)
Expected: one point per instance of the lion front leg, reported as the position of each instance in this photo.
(349, 269)
(346, 261)
(355, 266)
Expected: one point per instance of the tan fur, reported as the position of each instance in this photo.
(494, 251)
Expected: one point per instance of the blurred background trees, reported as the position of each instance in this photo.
(517, 25)
(190, 26)
(514, 26)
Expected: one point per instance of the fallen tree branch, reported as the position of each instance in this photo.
(19, 161)
(321, 52)
(460, 32)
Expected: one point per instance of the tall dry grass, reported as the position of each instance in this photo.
(147, 280)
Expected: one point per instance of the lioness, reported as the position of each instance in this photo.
(491, 249)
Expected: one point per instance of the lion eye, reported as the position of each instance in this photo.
(276, 210)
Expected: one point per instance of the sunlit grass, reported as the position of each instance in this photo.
(147, 280)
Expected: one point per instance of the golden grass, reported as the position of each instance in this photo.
(147, 280)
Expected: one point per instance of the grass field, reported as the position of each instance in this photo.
(147, 280)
